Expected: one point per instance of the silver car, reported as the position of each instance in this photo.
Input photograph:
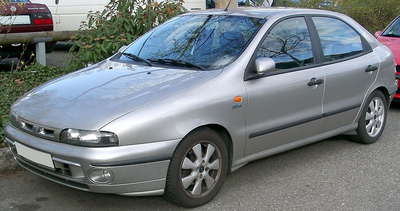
(202, 95)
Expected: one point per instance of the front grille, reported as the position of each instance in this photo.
(52, 177)
(36, 129)
(64, 169)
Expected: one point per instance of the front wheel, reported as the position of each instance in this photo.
(198, 169)
(373, 119)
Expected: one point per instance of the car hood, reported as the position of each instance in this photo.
(394, 44)
(93, 97)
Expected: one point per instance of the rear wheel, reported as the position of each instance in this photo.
(373, 119)
(197, 169)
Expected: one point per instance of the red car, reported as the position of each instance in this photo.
(391, 38)
(19, 16)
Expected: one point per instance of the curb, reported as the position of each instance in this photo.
(8, 164)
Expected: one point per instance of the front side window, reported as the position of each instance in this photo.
(393, 30)
(338, 39)
(288, 44)
(207, 41)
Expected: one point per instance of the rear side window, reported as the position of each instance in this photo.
(288, 44)
(338, 39)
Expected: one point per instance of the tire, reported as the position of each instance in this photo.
(198, 169)
(372, 120)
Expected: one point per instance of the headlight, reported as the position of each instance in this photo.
(13, 118)
(88, 138)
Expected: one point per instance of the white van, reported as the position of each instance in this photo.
(68, 14)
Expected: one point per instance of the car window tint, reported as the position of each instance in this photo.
(393, 30)
(209, 41)
(288, 44)
(338, 39)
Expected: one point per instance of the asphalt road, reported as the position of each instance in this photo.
(334, 174)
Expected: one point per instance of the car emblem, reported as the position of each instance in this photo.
(13, 9)
(35, 129)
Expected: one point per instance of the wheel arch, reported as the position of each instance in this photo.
(224, 133)
(385, 92)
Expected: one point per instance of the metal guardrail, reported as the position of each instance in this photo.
(38, 38)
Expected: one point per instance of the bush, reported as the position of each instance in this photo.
(121, 22)
(372, 14)
(14, 84)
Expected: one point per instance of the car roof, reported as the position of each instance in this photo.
(264, 12)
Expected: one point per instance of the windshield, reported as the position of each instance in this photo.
(393, 30)
(206, 41)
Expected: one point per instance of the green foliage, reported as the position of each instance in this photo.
(313, 4)
(15, 83)
(372, 14)
(121, 22)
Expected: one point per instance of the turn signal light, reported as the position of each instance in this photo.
(238, 99)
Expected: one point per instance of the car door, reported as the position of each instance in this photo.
(350, 69)
(283, 106)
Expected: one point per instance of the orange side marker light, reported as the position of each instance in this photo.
(238, 99)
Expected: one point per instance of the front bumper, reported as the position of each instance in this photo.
(397, 95)
(136, 169)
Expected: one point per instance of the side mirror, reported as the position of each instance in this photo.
(377, 34)
(57, 1)
(265, 65)
(122, 48)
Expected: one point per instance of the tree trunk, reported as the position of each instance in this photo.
(221, 4)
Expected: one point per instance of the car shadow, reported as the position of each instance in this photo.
(395, 105)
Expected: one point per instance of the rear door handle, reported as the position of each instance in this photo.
(371, 68)
(314, 82)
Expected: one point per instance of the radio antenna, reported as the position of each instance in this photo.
(226, 9)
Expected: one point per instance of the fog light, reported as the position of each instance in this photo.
(101, 175)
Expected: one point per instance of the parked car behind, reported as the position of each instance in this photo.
(22, 16)
(202, 95)
(68, 14)
(391, 38)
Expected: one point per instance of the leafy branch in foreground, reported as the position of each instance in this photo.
(120, 23)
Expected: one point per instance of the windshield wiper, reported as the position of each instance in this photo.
(137, 58)
(177, 62)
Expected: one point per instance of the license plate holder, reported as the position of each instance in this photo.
(35, 156)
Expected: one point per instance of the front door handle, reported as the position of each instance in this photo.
(315, 82)
(371, 68)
